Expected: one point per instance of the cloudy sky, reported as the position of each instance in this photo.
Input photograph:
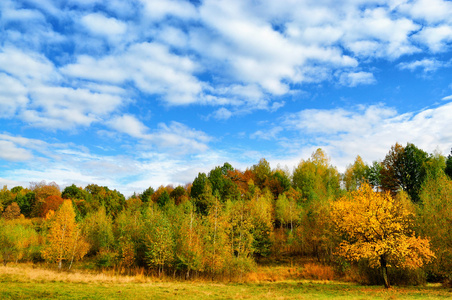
(139, 93)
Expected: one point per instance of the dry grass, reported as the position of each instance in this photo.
(306, 269)
(29, 272)
(26, 281)
(317, 272)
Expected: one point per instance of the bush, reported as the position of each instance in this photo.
(397, 276)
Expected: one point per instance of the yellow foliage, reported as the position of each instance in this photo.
(64, 241)
(377, 227)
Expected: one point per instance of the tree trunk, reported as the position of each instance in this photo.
(384, 270)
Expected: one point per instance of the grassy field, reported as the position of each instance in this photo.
(26, 282)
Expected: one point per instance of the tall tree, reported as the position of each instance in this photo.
(316, 178)
(355, 174)
(404, 169)
(435, 222)
(64, 241)
(379, 228)
(159, 241)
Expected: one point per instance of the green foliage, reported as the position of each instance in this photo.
(16, 240)
(159, 241)
(435, 222)
(316, 179)
(448, 168)
(146, 195)
(97, 228)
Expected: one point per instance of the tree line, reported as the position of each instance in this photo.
(385, 217)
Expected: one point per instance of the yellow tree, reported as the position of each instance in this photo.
(376, 227)
(64, 241)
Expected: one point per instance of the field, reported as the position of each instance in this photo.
(27, 282)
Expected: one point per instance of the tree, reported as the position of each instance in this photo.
(404, 169)
(201, 193)
(355, 174)
(448, 169)
(379, 228)
(435, 221)
(159, 241)
(316, 178)
(43, 190)
(64, 241)
(15, 240)
(97, 228)
(146, 195)
(12, 211)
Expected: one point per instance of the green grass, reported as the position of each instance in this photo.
(44, 284)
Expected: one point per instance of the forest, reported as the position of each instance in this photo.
(389, 221)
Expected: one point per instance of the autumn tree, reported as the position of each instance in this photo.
(43, 190)
(64, 239)
(379, 228)
(215, 240)
(12, 211)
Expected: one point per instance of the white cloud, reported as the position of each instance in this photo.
(13, 95)
(268, 135)
(98, 24)
(222, 114)
(371, 131)
(447, 98)
(432, 11)
(9, 151)
(128, 124)
(150, 66)
(157, 10)
(356, 78)
(29, 67)
(436, 38)
(428, 65)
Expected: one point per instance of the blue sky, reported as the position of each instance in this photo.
(139, 93)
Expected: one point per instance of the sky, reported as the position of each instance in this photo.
(136, 93)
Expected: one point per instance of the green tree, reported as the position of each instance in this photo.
(159, 241)
(435, 222)
(97, 228)
(448, 168)
(146, 195)
(404, 169)
(15, 240)
(355, 174)
(316, 178)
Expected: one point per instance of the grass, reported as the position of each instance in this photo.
(26, 282)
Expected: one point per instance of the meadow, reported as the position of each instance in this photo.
(31, 282)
